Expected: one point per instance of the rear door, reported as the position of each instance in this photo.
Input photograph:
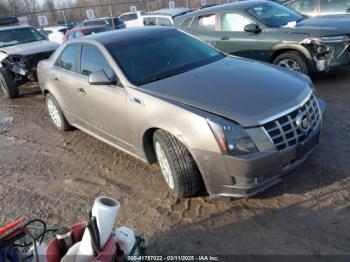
(102, 107)
(232, 37)
(64, 77)
(205, 27)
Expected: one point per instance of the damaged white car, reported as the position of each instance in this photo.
(21, 48)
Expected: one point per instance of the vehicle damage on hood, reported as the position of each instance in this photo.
(325, 47)
(22, 60)
(325, 50)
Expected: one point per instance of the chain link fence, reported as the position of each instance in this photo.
(78, 14)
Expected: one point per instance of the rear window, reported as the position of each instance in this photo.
(94, 22)
(96, 30)
(63, 30)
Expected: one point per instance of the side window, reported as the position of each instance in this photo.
(233, 22)
(132, 16)
(303, 6)
(149, 21)
(187, 22)
(68, 58)
(335, 6)
(123, 18)
(163, 21)
(70, 36)
(204, 23)
(92, 60)
(128, 17)
(77, 34)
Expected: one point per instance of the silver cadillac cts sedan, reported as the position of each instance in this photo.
(228, 125)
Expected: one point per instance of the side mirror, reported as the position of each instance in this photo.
(100, 78)
(252, 28)
(348, 10)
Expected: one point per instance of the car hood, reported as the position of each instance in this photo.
(322, 26)
(242, 90)
(30, 48)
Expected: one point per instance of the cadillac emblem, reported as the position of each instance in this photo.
(303, 122)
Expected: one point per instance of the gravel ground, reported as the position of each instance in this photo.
(56, 176)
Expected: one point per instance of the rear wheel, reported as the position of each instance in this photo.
(56, 114)
(8, 84)
(292, 60)
(177, 165)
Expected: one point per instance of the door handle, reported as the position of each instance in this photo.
(224, 37)
(56, 80)
(82, 91)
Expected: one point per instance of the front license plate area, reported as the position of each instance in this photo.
(306, 146)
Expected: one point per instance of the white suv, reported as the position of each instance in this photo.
(132, 19)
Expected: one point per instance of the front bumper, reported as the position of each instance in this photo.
(337, 60)
(247, 175)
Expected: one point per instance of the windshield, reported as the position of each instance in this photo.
(274, 15)
(17, 36)
(96, 30)
(160, 54)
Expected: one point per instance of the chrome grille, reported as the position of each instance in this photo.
(284, 131)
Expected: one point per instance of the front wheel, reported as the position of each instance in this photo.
(292, 60)
(178, 168)
(9, 84)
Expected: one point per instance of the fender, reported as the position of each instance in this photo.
(296, 47)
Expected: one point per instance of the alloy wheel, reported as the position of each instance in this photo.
(2, 85)
(54, 113)
(164, 165)
(290, 64)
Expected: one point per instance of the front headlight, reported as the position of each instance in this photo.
(232, 139)
(339, 38)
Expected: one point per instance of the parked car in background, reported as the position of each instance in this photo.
(116, 23)
(85, 31)
(21, 48)
(55, 33)
(8, 21)
(320, 7)
(164, 17)
(132, 19)
(232, 128)
(272, 33)
(157, 20)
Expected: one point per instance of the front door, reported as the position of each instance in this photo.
(232, 39)
(102, 107)
(205, 28)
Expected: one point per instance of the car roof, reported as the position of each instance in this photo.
(86, 27)
(59, 27)
(14, 27)
(156, 15)
(241, 5)
(125, 34)
(128, 13)
(171, 11)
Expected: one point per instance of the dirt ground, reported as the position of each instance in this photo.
(55, 176)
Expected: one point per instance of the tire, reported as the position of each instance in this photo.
(56, 114)
(8, 84)
(185, 179)
(295, 58)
